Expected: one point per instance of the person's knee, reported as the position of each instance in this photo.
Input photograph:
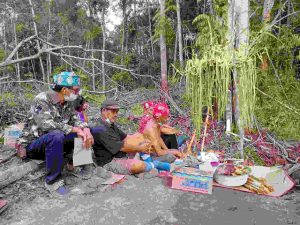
(138, 168)
(57, 136)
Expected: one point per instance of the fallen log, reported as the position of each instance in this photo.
(13, 174)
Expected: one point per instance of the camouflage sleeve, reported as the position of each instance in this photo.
(44, 119)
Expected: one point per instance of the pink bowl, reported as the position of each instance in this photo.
(214, 164)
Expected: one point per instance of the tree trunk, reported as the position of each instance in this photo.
(103, 48)
(49, 64)
(175, 52)
(37, 42)
(241, 9)
(13, 174)
(179, 33)
(123, 26)
(163, 52)
(93, 70)
(150, 29)
(16, 43)
(211, 7)
(230, 37)
(268, 5)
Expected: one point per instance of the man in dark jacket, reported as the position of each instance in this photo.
(111, 144)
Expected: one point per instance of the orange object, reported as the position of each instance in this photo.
(205, 128)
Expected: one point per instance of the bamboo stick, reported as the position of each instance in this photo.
(189, 148)
(205, 129)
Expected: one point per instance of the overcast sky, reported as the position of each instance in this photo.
(113, 17)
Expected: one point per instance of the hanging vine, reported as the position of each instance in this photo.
(208, 74)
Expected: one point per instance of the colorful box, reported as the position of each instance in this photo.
(191, 179)
(12, 133)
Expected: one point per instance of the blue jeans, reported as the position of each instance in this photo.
(53, 146)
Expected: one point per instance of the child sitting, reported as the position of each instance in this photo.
(150, 126)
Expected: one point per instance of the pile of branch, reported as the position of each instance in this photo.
(14, 103)
(137, 96)
(262, 144)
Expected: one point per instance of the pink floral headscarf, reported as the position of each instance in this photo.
(161, 109)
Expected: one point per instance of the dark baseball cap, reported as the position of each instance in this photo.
(110, 104)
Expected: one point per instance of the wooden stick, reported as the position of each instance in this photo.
(189, 148)
(205, 128)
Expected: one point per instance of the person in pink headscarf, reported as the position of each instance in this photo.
(150, 126)
(168, 133)
(147, 114)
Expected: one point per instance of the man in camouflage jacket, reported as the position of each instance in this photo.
(52, 127)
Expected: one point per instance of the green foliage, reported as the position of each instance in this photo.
(208, 78)
(9, 98)
(127, 59)
(137, 110)
(210, 32)
(93, 33)
(29, 96)
(277, 110)
(64, 18)
(123, 77)
(11, 68)
(37, 18)
(127, 124)
(251, 154)
(163, 25)
(59, 69)
(84, 78)
(95, 99)
(271, 112)
(28, 75)
(2, 54)
(81, 13)
(20, 27)
(123, 120)
(1, 140)
(28, 86)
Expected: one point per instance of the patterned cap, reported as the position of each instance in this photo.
(161, 109)
(148, 104)
(68, 79)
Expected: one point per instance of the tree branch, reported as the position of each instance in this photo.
(11, 55)
(77, 47)
(45, 83)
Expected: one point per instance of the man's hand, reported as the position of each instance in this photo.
(166, 129)
(175, 152)
(89, 138)
(80, 133)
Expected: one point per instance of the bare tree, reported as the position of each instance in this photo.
(38, 43)
(163, 51)
(150, 29)
(13, 20)
(103, 48)
(239, 29)
(179, 33)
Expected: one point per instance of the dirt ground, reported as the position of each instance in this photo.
(138, 201)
